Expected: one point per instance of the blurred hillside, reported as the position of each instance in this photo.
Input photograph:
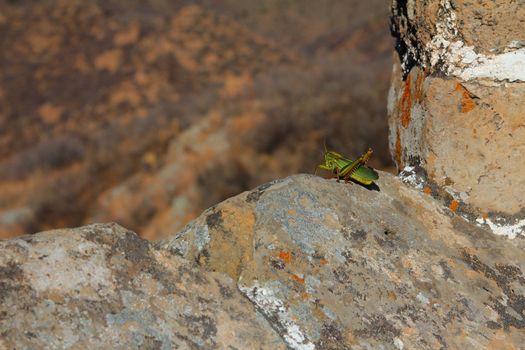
(148, 112)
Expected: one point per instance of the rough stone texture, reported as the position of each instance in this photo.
(99, 101)
(102, 287)
(461, 38)
(455, 104)
(325, 265)
(336, 266)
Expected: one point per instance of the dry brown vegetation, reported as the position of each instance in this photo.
(102, 103)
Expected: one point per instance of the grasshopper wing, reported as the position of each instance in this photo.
(365, 175)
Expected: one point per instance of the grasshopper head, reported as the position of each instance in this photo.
(331, 160)
(331, 157)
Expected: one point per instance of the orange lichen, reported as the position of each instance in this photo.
(427, 190)
(467, 103)
(391, 295)
(408, 331)
(318, 312)
(454, 205)
(238, 219)
(285, 256)
(472, 274)
(501, 340)
(405, 103)
(418, 94)
(350, 338)
(298, 279)
(451, 263)
(323, 262)
(398, 150)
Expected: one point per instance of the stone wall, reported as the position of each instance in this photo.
(455, 105)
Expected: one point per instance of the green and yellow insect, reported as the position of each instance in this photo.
(346, 169)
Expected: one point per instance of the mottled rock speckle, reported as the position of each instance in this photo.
(338, 266)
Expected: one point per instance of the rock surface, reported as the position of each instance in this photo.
(102, 286)
(328, 265)
(148, 74)
(337, 266)
(460, 76)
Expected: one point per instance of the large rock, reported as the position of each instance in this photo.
(455, 104)
(325, 265)
(102, 287)
(339, 266)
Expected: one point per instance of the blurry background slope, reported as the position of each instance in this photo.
(148, 112)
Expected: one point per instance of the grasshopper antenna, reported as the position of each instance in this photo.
(322, 154)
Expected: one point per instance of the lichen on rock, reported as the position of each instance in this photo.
(455, 105)
(302, 262)
(335, 266)
(102, 286)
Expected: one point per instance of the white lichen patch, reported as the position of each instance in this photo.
(455, 194)
(506, 66)
(508, 230)
(398, 344)
(312, 284)
(179, 244)
(457, 59)
(271, 306)
(329, 313)
(422, 298)
(58, 267)
(202, 237)
(408, 175)
(462, 61)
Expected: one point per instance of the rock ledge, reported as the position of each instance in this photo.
(325, 266)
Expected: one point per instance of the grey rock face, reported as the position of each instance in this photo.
(325, 265)
(335, 266)
(101, 286)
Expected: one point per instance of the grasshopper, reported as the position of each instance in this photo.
(347, 169)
